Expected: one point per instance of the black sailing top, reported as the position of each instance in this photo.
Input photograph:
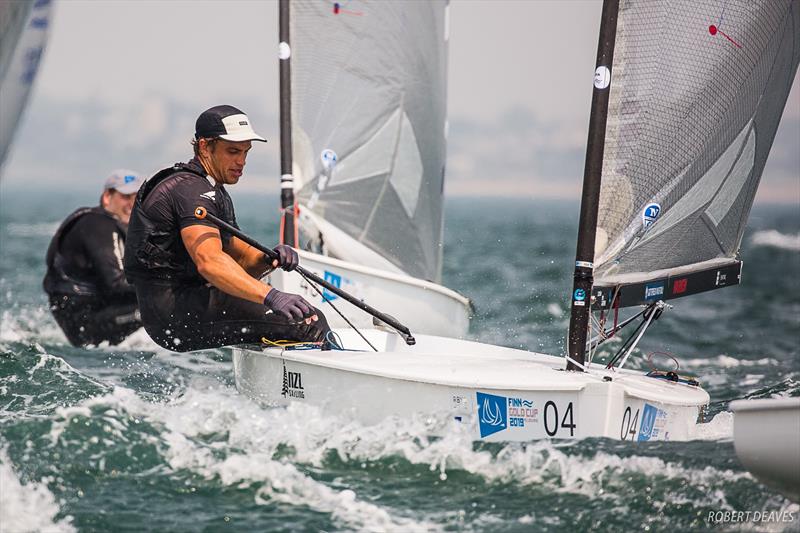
(165, 205)
(85, 257)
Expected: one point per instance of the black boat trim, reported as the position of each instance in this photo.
(669, 288)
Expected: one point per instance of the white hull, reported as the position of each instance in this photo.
(766, 434)
(425, 307)
(501, 394)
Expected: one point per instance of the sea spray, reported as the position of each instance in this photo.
(153, 440)
(28, 506)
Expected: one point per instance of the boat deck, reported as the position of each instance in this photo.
(461, 363)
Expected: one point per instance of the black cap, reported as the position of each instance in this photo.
(225, 122)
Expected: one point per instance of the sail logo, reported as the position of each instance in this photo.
(336, 281)
(653, 291)
(328, 158)
(492, 413)
(650, 214)
(211, 195)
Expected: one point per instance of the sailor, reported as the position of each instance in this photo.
(198, 286)
(89, 295)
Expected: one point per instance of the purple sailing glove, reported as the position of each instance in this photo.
(287, 257)
(291, 306)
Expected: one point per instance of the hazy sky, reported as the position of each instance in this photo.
(143, 69)
(502, 53)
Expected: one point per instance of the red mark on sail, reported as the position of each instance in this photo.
(713, 30)
(337, 10)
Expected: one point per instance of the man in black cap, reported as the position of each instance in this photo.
(198, 286)
(89, 296)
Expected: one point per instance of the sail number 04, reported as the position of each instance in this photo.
(628, 428)
(551, 419)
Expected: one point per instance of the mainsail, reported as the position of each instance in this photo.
(687, 98)
(697, 88)
(23, 33)
(368, 111)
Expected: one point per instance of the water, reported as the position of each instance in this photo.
(134, 438)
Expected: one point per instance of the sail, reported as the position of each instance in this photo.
(23, 33)
(697, 90)
(13, 16)
(368, 90)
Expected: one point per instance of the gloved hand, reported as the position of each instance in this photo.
(287, 257)
(291, 306)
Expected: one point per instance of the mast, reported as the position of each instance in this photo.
(587, 227)
(288, 206)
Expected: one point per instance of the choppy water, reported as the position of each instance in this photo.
(135, 438)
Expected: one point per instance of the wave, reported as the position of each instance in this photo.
(205, 431)
(726, 361)
(775, 239)
(29, 324)
(547, 465)
(28, 506)
(718, 428)
(213, 432)
(35, 324)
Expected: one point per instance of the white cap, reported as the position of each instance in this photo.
(124, 181)
(238, 128)
(225, 122)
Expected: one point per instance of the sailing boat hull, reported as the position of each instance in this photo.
(499, 394)
(422, 306)
(766, 435)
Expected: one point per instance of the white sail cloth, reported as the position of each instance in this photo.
(698, 88)
(368, 91)
(23, 34)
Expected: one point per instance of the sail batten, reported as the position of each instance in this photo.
(368, 124)
(695, 103)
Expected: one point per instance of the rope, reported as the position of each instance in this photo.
(650, 313)
(290, 344)
(625, 345)
(603, 336)
(666, 354)
(325, 299)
